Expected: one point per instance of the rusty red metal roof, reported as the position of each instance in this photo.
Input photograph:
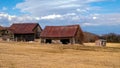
(22, 28)
(59, 31)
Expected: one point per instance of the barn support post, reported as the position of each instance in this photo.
(42, 40)
(13, 37)
(34, 36)
(72, 41)
(16, 39)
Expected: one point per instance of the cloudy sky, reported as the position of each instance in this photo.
(96, 16)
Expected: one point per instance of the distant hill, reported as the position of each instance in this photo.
(90, 37)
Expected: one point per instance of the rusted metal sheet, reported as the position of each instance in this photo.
(23, 28)
(59, 31)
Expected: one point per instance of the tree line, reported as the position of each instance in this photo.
(111, 37)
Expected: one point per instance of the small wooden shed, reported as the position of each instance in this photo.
(100, 42)
(65, 34)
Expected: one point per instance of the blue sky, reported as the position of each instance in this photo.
(96, 16)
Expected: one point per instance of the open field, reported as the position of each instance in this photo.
(36, 55)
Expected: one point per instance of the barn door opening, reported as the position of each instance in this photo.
(48, 41)
(65, 41)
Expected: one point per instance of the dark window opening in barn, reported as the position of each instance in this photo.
(29, 38)
(65, 41)
(48, 41)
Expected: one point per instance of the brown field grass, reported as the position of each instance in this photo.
(36, 55)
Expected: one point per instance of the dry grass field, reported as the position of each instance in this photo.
(36, 55)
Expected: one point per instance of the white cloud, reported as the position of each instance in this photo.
(68, 6)
(69, 18)
(70, 14)
(6, 19)
(104, 19)
(94, 17)
(65, 11)
(54, 16)
(49, 7)
(81, 10)
(90, 24)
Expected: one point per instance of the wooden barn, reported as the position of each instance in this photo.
(24, 31)
(65, 34)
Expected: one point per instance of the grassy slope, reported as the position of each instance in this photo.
(36, 55)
